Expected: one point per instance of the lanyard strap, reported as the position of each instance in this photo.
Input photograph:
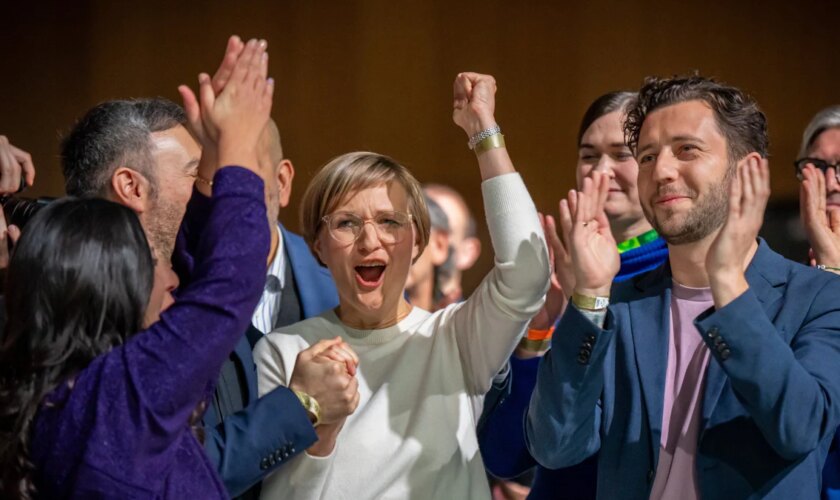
(637, 241)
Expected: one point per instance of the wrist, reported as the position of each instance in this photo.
(310, 404)
(727, 287)
(592, 291)
(479, 123)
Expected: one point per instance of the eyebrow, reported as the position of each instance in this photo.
(611, 145)
(192, 163)
(676, 138)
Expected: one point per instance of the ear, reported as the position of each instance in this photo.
(316, 249)
(416, 251)
(466, 256)
(752, 159)
(438, 247)
(131, 188)
(285, 175)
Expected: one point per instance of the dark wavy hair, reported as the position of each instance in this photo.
(78, 285)
(737, 114)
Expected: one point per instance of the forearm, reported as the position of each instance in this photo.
(502, 436)
(255, 441)
(563, 420)
(178, 355)
(788, 389)
(489, 324)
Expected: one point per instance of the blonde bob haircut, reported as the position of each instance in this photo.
(345, 175)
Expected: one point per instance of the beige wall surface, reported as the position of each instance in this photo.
(376, 75)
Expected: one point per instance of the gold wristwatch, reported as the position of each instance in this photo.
(311, 406)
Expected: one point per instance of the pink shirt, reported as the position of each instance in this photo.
(688, 358)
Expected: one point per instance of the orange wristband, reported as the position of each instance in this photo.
(534, 334)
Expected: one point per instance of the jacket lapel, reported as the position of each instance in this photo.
(650, 322)
(315, 286)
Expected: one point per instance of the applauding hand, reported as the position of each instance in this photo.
(822, 228)
(735, 244)
(587, 237)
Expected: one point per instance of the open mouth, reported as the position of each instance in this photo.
(370, 275)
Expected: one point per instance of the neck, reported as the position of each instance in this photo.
(361, 321)
(623, 230)
(275, 243)
(421, 294)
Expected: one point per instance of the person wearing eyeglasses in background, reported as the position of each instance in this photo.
(421, 376)
(818, 167)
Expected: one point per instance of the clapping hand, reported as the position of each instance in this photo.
(821, 226)
(735, 244)
(587, 241)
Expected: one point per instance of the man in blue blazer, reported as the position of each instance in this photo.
(716, 375)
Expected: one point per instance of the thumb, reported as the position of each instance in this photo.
(322, 345)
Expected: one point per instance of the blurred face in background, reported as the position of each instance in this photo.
(602, 149)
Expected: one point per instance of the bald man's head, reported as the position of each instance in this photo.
(278, 187)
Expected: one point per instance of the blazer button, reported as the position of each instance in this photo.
(291, 449)
(722, 346)
(582, 359)
(591, 338)
(264, 464)
(724, 354)
(587, 346)
(713, 332)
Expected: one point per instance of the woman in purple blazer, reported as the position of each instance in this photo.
(89, 407)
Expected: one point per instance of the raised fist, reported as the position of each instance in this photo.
(474, 102)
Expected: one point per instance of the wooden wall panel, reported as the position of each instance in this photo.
(377, 75)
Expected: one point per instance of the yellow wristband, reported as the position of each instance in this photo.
(488, 143)
(311, 406)
(535, 345)
(590, 303)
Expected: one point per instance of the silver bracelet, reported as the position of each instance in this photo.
(484, 134)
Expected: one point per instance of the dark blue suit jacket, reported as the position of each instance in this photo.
(770, 405)
(251, 443)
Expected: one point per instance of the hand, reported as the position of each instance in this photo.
(342, 353)
(474, 102)
(14, 164)
(735, 244)
(328, 381)
(822, 228)
(562, 278)
(587, 238)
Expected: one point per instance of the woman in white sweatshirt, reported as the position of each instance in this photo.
(421, 376)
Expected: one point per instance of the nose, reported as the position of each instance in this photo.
(369, 238)
(605, 166)
(664, 168)
(171, 279)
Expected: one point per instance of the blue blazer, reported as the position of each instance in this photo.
(770, 405)
(251, 443)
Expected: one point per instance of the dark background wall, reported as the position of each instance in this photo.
(377, 75)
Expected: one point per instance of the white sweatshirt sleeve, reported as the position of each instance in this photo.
(489, 323)
(304, 476)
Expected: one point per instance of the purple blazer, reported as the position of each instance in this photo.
(122, 430)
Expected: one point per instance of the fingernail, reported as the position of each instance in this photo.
(270, 81)
(263, 43)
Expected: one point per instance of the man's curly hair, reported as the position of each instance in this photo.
(737, 114)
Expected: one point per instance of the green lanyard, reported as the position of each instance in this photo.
(637, 241)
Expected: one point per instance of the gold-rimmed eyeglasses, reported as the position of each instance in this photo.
(347, 227)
